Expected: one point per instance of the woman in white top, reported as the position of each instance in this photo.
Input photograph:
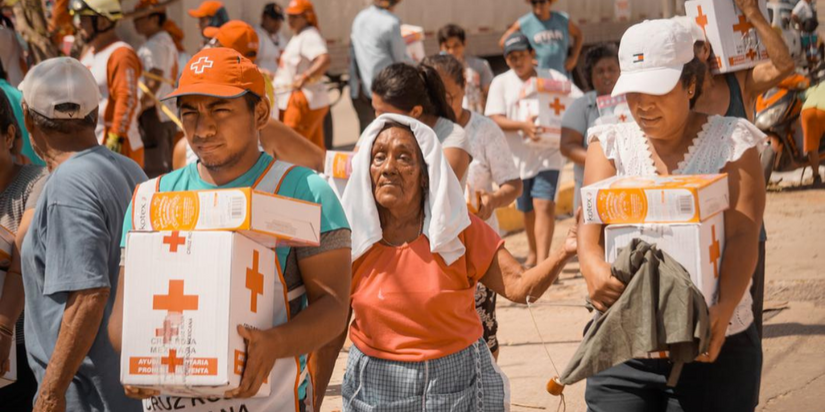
(662, 81)
(492, 162)
(304, 103)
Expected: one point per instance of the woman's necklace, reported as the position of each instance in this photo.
(420, 231)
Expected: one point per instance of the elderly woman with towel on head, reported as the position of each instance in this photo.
(417, 256)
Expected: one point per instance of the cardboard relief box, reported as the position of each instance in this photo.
(698, 247)
(733, 39)
(185, 295)
(655, 199)
(337, 169)
(545, 101)
(268, 219)
(414, 38)
(613, 110)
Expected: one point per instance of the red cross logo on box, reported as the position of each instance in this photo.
(742, 26)
(557, 106)
(174, 240)
(702, 20)
(171, 361)
(715, 252)
(175, 301)
(254, 282)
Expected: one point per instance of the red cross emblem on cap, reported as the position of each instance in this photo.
(202, 64)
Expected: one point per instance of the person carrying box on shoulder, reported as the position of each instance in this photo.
(222, 104)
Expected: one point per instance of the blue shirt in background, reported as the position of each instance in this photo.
(376, 43)
(580, 116)
(15, 97)
(73, 244)
(549, 38)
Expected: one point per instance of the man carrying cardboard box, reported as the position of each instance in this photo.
(70, 255)
(221, 104)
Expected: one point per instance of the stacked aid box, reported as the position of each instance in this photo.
(199, 264)
(682, 215)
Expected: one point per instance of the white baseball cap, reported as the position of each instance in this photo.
(57, 81)
(651, 56)
(690, 23)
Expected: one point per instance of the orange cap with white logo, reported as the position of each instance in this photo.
(237, 35)
(219, 72)
(206, 9)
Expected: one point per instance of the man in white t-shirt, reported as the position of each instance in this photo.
(538, 168)
(271, 42)
(159, 57)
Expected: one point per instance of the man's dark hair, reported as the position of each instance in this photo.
(7, 116)
(449, 65)
(694, 69)
(451, 30)
(594, 55)
(64, 126)
(273, 11)
(251, 100)
(3, 74)
(404, 86)
(161, 17)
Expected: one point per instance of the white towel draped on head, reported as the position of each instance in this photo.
(445, 209)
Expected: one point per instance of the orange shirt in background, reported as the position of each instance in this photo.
(409, 306)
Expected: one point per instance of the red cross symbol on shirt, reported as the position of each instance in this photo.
(175, 301)
(174, 241)
(557, 106)
(702, 20)
(254, 282)
(172, 361)
(742, 26)
(202, 64)
(715, 252)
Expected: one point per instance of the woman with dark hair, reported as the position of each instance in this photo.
(669, 137)
(19, 189)
(601, 70)
(417, 257)
(492, 163)
(417, 92)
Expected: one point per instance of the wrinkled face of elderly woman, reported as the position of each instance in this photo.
(664, 116)
(397, 170)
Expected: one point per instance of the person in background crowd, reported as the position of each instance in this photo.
(813, 128)
(734, 95)
(116, 67)
(20, 187)
(417, 257)
(479, 75)
(601, 71)
(376, 43)
(556, 39)
(538, 167)
(60, 23)
(304, 61)
(270, 38)
(418, 92)
(670, 137)
(210, 14)
(26, 154)
(804, 14)
(159, 57)
(12, 56)
(71, 254)
(277, 139)
(222, 110)
(492, 163)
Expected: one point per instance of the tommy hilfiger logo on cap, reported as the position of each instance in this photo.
(638, 58)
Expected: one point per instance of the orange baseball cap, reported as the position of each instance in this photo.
(206, 9)
(219, 72)
(237, 35)
(299, 7)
